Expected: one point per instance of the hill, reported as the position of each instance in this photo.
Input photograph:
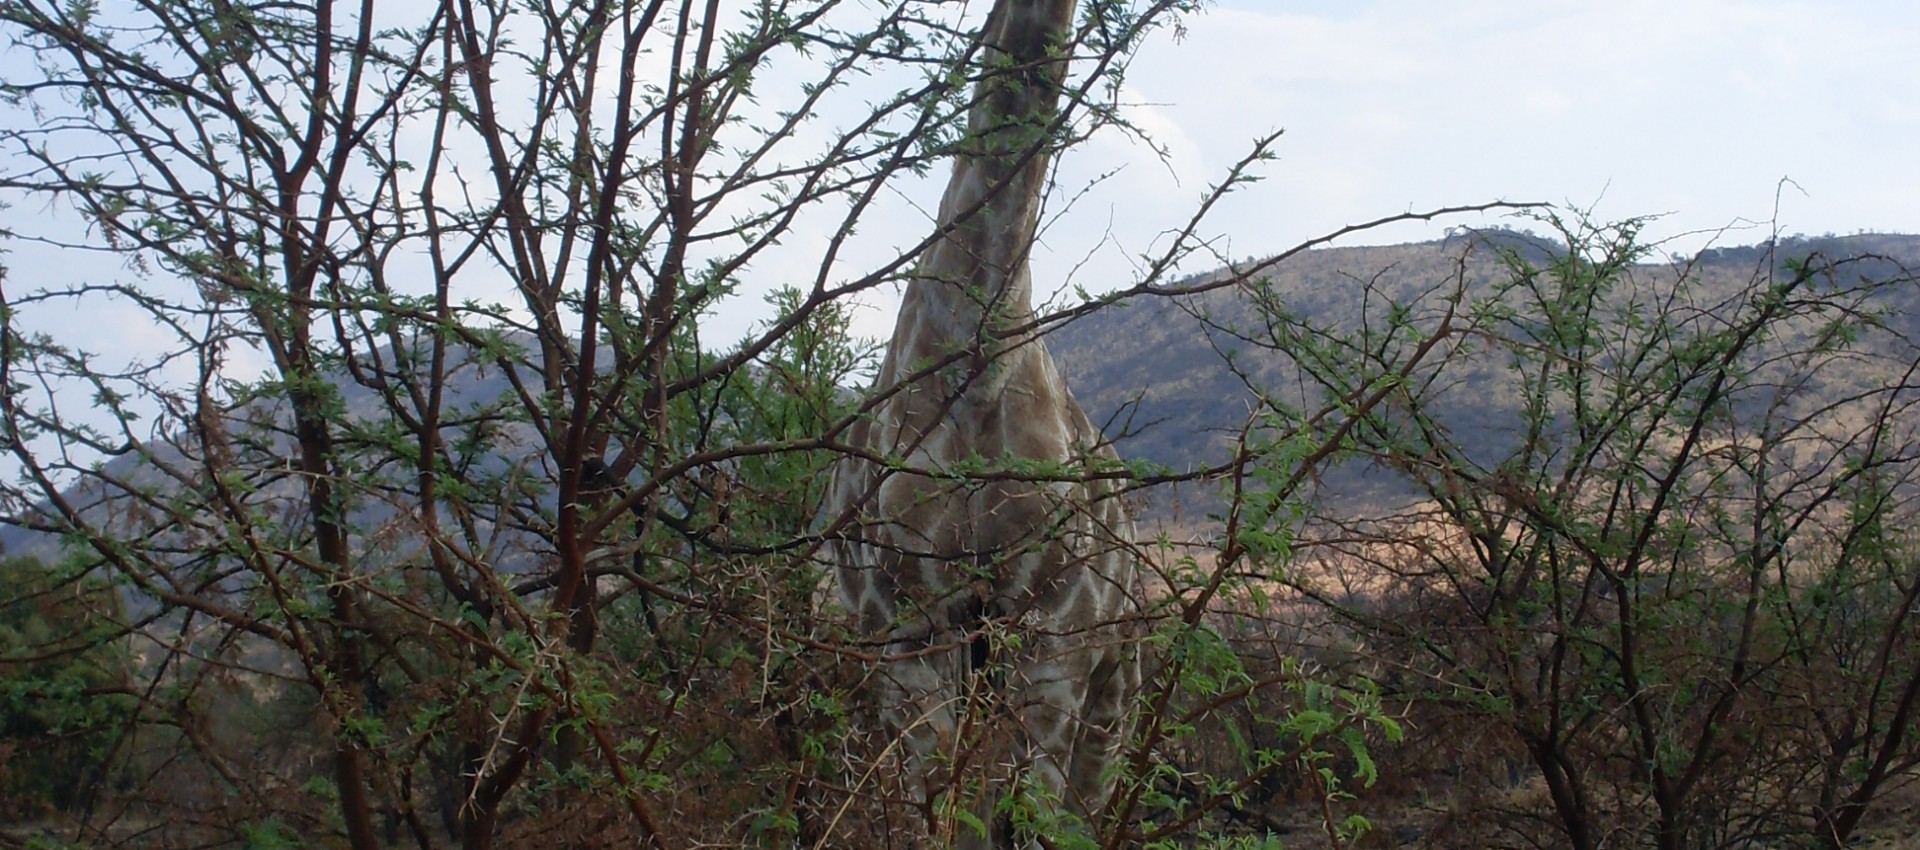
(1174, 379)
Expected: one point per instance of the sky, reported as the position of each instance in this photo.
(1712, 114)
(1724, 118)
(1696, 109)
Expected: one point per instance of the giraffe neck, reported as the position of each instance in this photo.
(974, 282)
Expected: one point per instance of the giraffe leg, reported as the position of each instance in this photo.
(1112, 679)
(920, 697)
(1071, 725)
(942, 713)
(1048, 689)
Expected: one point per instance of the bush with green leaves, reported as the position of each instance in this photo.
(1648, 529)
(65, 678)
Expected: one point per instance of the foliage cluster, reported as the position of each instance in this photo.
(64, 680)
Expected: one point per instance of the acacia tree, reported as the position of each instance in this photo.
(434, 513)
(1648, 527)
(472, 241)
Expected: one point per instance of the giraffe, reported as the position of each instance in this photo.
(998, 599)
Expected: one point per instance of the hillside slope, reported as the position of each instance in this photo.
(1175, 379)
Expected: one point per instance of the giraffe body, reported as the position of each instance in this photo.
(1001, 599)
(938, 560)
